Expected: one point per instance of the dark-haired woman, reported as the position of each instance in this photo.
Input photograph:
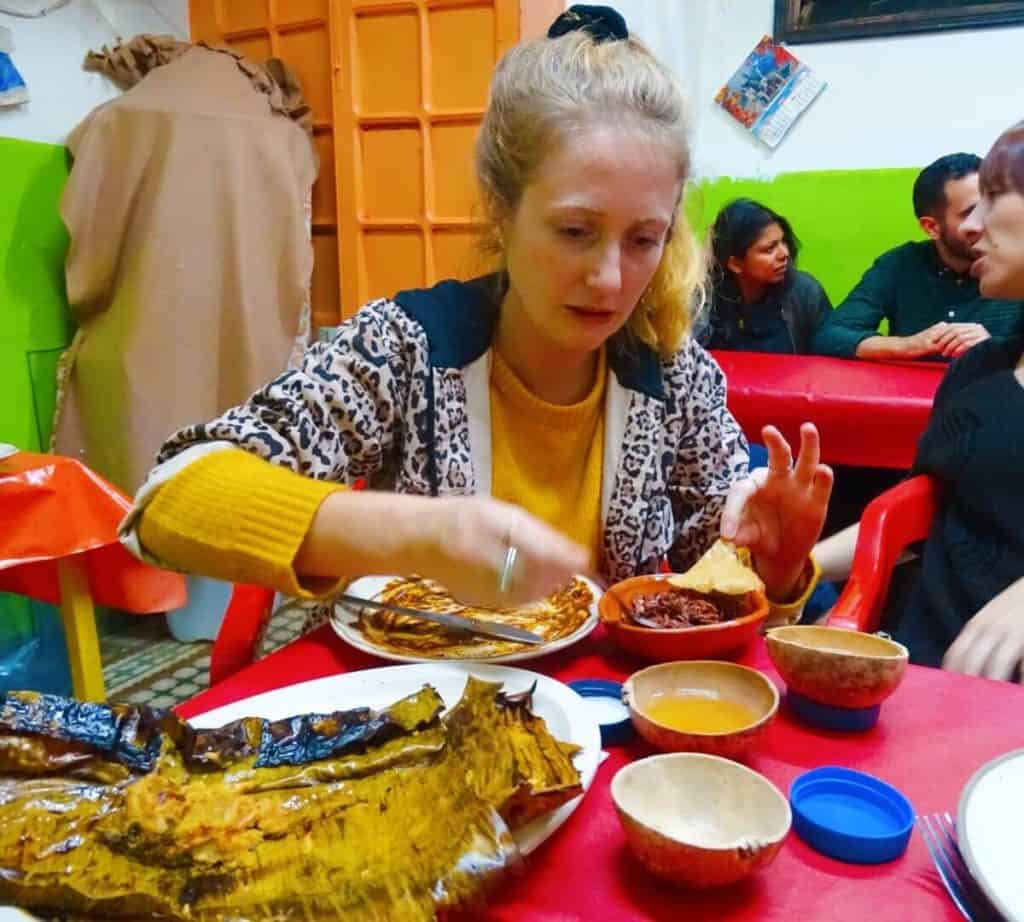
(760, 301)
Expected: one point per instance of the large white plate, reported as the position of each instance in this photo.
(990, 822)
(343, 620)
(566, 715)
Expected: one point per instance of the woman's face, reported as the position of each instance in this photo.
(588, 234)
(767, 259)
(995, 230)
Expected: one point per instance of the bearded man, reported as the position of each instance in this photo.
(924, 288)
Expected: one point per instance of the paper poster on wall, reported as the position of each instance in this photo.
(13, 91)
(769, 92)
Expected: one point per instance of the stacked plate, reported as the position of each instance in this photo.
(990, 824)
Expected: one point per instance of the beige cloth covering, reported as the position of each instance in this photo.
(190, 258)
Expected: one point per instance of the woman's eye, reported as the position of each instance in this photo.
(647, 242)
(574, 233)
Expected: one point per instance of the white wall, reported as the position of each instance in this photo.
(49, 52)
(890, 102)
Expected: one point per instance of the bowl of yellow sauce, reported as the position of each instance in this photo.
(701, 706)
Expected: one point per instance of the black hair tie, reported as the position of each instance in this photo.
(602, 22)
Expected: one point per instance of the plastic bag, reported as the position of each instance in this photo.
(33, 654)
(13, 91)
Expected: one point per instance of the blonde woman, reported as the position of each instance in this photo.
(557, 406)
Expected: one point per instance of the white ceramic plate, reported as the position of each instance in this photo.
(989, 826)
(343, 620)
(567, 717)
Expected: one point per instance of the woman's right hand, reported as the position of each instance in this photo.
(461, 542)
(471, 542)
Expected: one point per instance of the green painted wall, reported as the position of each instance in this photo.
(843, 218)
(35, 323)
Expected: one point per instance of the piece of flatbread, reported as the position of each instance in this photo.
(722, 569)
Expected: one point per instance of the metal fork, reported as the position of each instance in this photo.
(939, 833)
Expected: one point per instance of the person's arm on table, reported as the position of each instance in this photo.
(852, 330)
(857, 318)
(939, 339)
(235, 517)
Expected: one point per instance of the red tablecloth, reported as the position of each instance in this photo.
(868, 413)
(934, 732)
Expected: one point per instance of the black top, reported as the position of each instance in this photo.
(974, 445)
(784, 320)
(914, 289)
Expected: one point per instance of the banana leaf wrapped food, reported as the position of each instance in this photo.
(113, 812)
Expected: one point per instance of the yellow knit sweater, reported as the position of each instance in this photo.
(548, 458)
(236, 517)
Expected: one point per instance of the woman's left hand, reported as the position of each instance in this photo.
(778, 512)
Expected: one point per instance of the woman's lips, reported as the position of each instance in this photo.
(590, 316)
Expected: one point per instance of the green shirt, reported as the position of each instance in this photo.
(913, 289)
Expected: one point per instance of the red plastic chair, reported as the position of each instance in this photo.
(890, 522)
(238, 639)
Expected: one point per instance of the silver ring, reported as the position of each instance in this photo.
(506, 571)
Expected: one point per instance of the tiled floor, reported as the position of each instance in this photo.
(144, 664)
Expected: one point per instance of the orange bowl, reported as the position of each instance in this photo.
(698, 820)
(705, 641)
(835, 666)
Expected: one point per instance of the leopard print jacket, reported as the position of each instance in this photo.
(398, 399)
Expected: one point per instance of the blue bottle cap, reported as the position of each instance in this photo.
(832, 718)
(851, 815)
(604, 698)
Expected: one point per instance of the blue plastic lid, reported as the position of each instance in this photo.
(851, 815)
(829, 717)
(604, 698)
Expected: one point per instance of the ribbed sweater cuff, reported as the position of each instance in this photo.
(236, 517)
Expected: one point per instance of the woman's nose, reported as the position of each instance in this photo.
(607, 274)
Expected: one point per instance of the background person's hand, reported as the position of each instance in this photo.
(778, 512)
(991, 644)
(926, 342)
(957, 338)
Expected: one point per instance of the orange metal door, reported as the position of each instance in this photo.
(298, 32)
(398, 89)
(412, 87)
